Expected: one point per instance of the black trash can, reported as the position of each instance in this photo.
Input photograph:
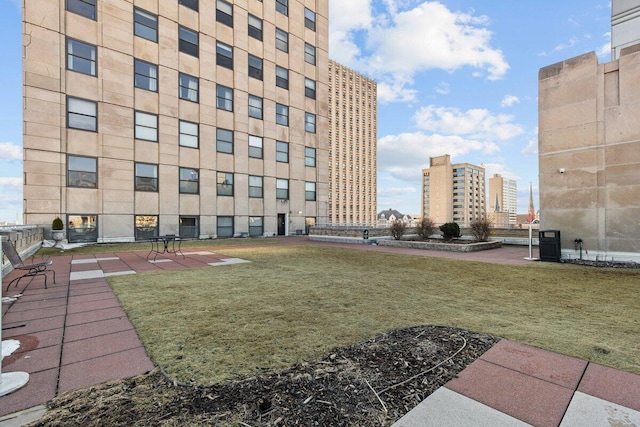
(549, 245)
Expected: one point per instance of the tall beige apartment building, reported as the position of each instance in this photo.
(453, 192)
(503, 201)
(203, 118)
(353, 147)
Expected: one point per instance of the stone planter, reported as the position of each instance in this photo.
(57, 235)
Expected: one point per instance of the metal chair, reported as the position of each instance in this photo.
(30, 270)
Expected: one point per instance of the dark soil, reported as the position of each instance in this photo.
(606, 264)
(372, 383)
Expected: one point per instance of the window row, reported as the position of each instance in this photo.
(83, 172)
(81, 58)
(82, 114)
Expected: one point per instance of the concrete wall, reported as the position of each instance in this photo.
(589, 154)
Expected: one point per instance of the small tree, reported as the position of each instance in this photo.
(57, 224)
(425, 228)
(450, 230)
(480, 229)
(398, 228)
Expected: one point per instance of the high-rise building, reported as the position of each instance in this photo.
(625, 25)
(453, 192)
(503, 201)
(199, 118)
(353, 146)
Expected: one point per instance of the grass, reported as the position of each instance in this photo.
(296, 303)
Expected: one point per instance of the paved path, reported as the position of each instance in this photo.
(75, 334)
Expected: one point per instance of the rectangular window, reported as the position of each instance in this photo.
(147, 226)
(310, 156)
(191, 4)
(255, 146)
(309, 88)
(82, 114)
(189, 181)
(146, 75)
(282, 152)
(189, 134)
(82, 172)
(188, 87)
(282, 77)
(282, 189)
(310, 191)
(310, 122)
(224, 55)
(82, 228)
(189, 227)
(146, 178)
(255, 107)
(146, 126)
(255, 67)
(255, 186)
(225, 226)
(224, 98)
(224, 141)
(81, 57)
(256, 228)
(309, 19)
(145, 24)
(255, 27)
(310, 53)
(86, 8)
(282, 40)
(224, 13)
(224, 184)
(188, 41)
(282, 114)
(282, 6)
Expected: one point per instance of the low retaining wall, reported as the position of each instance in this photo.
(437, 246)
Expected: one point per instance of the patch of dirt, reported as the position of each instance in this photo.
(606, 264)
(372, 383)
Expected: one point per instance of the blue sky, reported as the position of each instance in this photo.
(454, 77)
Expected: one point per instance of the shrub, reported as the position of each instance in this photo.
(480, 229)
(398, 228)
(450, 230)
(57, 224)
(425, 228)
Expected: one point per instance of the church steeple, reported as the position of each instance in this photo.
(532, 210)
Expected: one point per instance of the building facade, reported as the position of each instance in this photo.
(589, 154)
(503, 201)
(203, 118)
(453, 192)
(353, 146)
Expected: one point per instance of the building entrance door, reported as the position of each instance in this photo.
(282, 224)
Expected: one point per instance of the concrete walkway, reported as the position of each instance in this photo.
(75, 335)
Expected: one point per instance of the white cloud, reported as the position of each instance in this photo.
(10, 192)
(492, 168)
(531, 149)
(509, 100)
(400, 41)
(442, 88)
(477, 123)
(11, 182)
(403, 156)
(10, 151)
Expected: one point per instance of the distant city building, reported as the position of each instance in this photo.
(453, 192)
(388, 216)
(589, 140)
(503, 201)
(625, 25)
(203, 119)
(353, 146)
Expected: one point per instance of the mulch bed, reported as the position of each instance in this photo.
(372, 383)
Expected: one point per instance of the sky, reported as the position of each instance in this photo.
(456, 77)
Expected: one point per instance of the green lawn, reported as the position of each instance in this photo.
(296, 303)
